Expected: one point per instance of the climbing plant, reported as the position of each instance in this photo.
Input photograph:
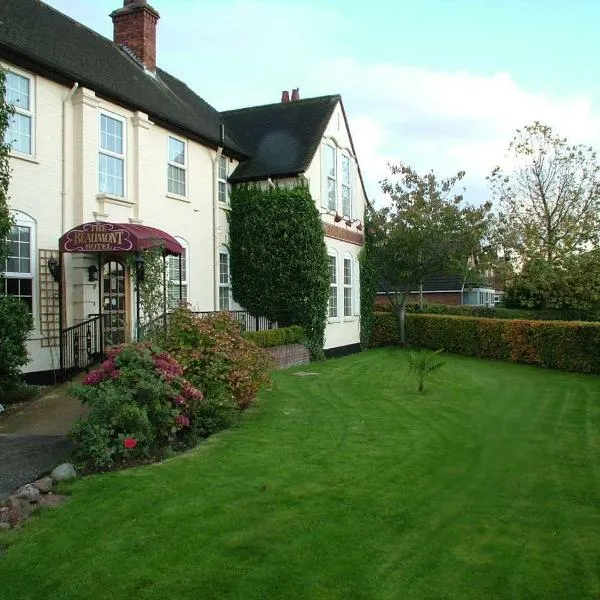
(279, 264)
(6, 112)
(368, 286)
(151, 283)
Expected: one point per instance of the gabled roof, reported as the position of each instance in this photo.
(281, 138)
(42, 39)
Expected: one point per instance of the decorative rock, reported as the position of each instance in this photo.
(1, 409)
(52, 500)
(4, 514)
(4, 526)
(63, 472)
(44, 484)
(18, 510)
(28, 492)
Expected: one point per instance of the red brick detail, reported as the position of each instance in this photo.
(342, 233)
(135, 28)
(290, 355)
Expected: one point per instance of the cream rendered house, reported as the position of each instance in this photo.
(111, 154)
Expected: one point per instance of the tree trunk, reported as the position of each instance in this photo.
(421, 296)
(401, 316)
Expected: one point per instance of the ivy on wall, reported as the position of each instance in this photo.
(279, 265)
(6, 112)
(368, 286)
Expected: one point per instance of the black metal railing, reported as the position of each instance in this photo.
(81, 345)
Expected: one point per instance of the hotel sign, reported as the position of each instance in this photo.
(97, 237)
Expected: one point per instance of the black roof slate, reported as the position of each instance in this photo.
(39, 37)
(281, 138)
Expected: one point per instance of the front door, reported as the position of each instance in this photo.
(114, 302)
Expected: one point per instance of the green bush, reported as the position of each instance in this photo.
(216, 357)
(276, 337)
(141, 407)
(565, 345)
(495, 313)
(15, 325)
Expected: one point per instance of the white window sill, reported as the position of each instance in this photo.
(224, 205)
(118, 200)
(178, 197)
(349, 319)
(26, 157)
(334, 320)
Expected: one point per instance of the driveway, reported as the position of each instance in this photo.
(33, 437)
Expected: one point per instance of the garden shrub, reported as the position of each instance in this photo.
(216, 357)
(565, 345)
(141, 406)
(567, 314)
(15, 325)
(276, 337)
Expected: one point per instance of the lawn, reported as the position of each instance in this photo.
(348, 485)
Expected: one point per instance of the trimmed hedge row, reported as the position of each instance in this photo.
(565, 345)
(277, 337)
(495, 313)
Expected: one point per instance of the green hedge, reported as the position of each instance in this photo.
(277, 337)
(565, 345)
(495, 313)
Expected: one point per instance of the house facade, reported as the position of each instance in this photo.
(111, 155)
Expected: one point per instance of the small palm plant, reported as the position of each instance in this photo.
(423, 364)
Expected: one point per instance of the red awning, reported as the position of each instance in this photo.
(117, 237)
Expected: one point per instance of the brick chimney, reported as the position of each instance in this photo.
(135, 28)
(285, 97)
(295, 94)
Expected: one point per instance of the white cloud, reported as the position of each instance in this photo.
(241, 52)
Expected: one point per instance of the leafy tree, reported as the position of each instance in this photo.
(279, 263)
(549, 202)
(426, 230)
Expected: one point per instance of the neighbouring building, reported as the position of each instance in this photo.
(111, 155)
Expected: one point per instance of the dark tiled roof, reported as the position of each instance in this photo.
(281, 138)
(40, 37)
(439, 283)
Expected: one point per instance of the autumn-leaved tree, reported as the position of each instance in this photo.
(549, 198)
(425, 229)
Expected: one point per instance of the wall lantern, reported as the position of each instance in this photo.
(139, 267)
(54, 268)
(92, 273)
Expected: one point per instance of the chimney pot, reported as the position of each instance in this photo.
(295, 94)
(285, 97)
(135, 27)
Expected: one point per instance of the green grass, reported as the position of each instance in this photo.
(348, 485)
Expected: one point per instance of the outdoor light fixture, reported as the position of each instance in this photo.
(359, 227)
(336, 216)
(139, 267)
(54, 268)
(349, 222)
(92, 273)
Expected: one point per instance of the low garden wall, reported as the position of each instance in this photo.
(565, 345)
(290, 355)
(284, 345)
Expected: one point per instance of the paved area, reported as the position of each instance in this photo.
(32, 437)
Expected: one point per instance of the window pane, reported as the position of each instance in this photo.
(345, 170)
(346, 204)
(347, 301)
(18, 133)
(347, 271)
(224, 298)
(176, 180)
(111, 175)
(20, 288)
(19, 253)
(332, 270)
(176, 151)
(223, 196)
(332, 301)
(223, 167)
(330, 161)
(111, 134)
(331, 194)
(17, 91)
(224, 268)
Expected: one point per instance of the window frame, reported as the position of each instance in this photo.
(328, 177)
(182, 167)
(224, 181)
(30, 113)
(333, 285)
(348, 185)
(224, 251)
(173, 284)
(24, 220)
(348, 287)
(110, 153)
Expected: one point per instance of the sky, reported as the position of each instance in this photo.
(437, 84)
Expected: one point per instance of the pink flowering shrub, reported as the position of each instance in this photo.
(141, 407)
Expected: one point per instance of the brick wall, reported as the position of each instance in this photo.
(290, 355)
